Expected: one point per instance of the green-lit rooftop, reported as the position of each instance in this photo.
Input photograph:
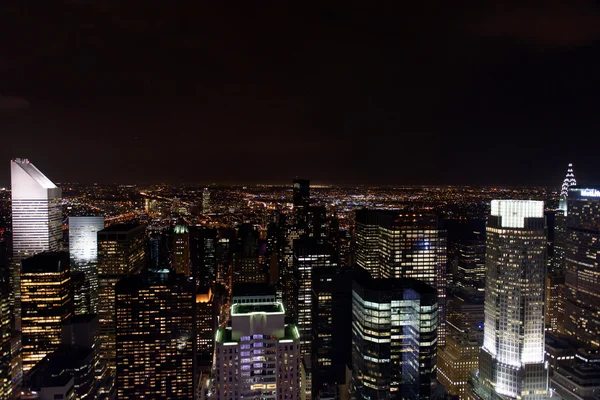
(268, 308)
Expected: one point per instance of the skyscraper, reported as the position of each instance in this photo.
(560, 228)
(154, 337)
(582, 319)
(258, 356)
(394, 338)
(46, 304)
(121, 252)
(5, 348)
(511, 362)
(408, 246)
(301, 193)
(206, 201)
(181, 249)
(83, 250)
(36, 219)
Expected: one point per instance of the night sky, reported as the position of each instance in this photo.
(362, 92)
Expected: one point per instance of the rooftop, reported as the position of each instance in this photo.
(120, 228)
(269, 308)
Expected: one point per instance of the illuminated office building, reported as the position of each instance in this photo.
(205, 201)
(367, 240)
(394, 338)
(203, 252)
(83, 250)
(46, 304)
(155, 340)
(5, 339)
(560, 227)
(205, 323)
(258, 356)
(308, 255)
(511, 362)
(121, 252)
(582, 319)
(247, 266)
(470, 271)
(36, 219)
(406, 246)
(181, 249)
(555, 302)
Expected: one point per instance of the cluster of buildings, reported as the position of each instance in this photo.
(295, 304)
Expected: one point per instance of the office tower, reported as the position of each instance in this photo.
(205, 201)
(460, 356)
(407, 246)
(332, 326)
(203, 252)
(154, 244)
(301, 193)
(309, 254)
(205, 323)
(394, 337)
(83, 250)
(71, 367)
(316, 218)
(121, 252)
(36, 219)
(511, 362)
(5, 347)
(80, 288)
(181, 249)
(560, 229)
(258, 356)
(367, 240)
(555, 302)
(46, 304)
(247, 266)
(287, 274)
(155, 342)
(582, 320)
(470, 263)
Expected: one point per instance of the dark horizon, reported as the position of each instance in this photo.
(343, 92)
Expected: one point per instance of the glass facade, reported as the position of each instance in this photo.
(83, 250)
(512, 357)
(394, 338)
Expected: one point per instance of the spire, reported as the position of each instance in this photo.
(568, 182)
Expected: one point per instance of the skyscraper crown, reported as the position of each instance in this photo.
(568, 182)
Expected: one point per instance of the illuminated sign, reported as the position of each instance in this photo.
(590, 193)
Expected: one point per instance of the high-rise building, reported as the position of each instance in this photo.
(555, 302)
(460, 356)
(46, 304)
(155, 343)
(470, 271)
(560, 229)
(181, 249)
(394, 338)
(121, 252)
(247, 266)
(332, 322)
(83, 250)
(309, 254)
(301, 193)
(206, 201)
(203, 252)
(408, 246)
(367, 240)
(582, 319)
(511, 362)
(36, 219)
(5, 347)
(258, 356)
(205, 323)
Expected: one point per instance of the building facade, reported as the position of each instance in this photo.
(511, 362)
(394, 338)
(46, 304)
(259, 355)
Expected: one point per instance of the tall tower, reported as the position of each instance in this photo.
(560, 233)
(564, 191)
(581, 317)
(47, 303)
(367, 240)
(511, 362)
(121, 252)
(83, 250)
(394, 338)
(155, 341)
(181, 249)
(301, 194)
(205, 201)
(36, 219)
